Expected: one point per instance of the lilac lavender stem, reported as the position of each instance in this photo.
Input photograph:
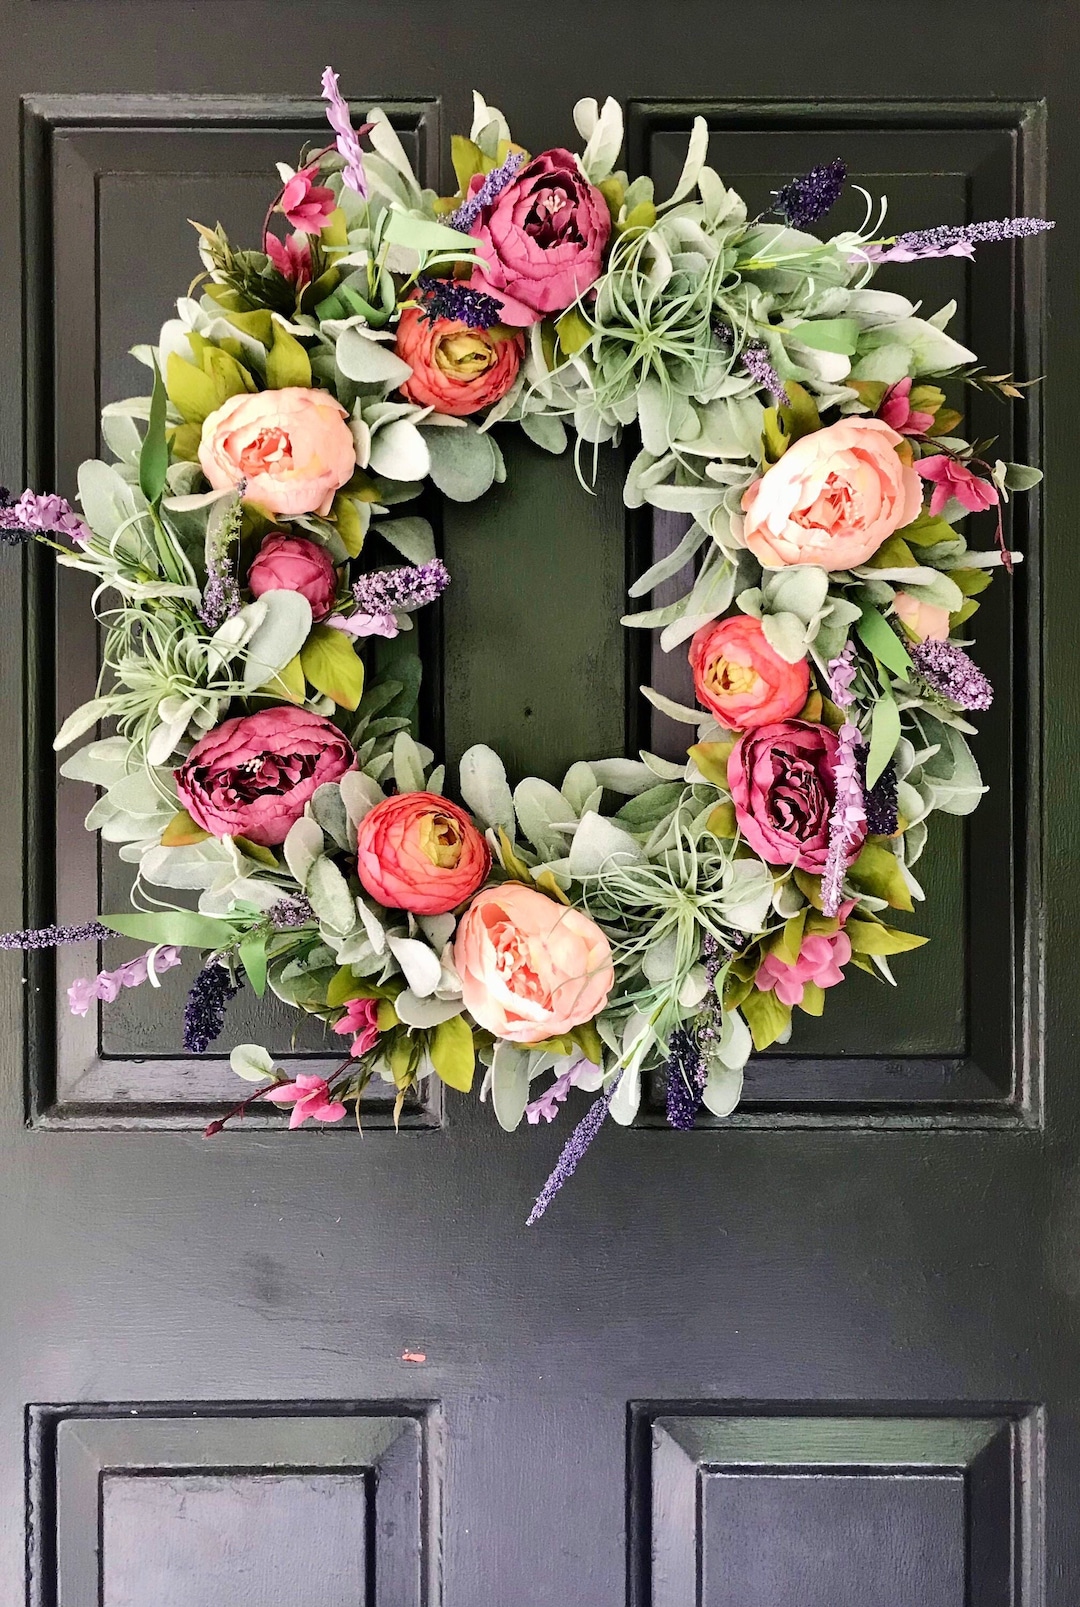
(347, 138)
(34, 515)
(493, 185)
(953, 239)
(947, 669)
(386, 591)
(848, 816)
(573, 1151)
(51, 937)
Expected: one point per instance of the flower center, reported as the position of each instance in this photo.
(266, 773)
(269, 449)
(441, 839)
(725, 678)
(464, 355)
(551, 217)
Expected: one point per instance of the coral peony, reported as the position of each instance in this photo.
(252, 776)
(833, 498)
(292, 448)
(455, 369)
(530, 968)
(422, 853)
(782, 779)
(542, 238)
(743, 680)
(292, 563)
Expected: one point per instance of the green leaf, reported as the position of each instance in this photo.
(462, 462)
(927, 530)
(883, 642)
(893, 554)
(787, 943)
(258, 324)
(829, 335)
(352, 527)
(403, 229)
(453, 1054)
(588, 1041)
(884, 735)
(877, 872)
(971, 581)
(813, 999)
(154, 456)
(766, 1017)
(870, 937)
(711, 759)
(182, 831)
(468, 160)
(574, 331)
(252, 1062)
(1021, 476)
(287, 363)
(193, 393)
(184, 928)
(345, 986)
(253, 959)
(330, 663)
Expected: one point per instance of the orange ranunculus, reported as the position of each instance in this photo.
(530, 968)
(420, 852)
(833, 498)
(455, 369)
(292, 448)
(743, 680)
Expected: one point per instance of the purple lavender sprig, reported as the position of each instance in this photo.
(204, 1012)
(386, 592)
(805, 199)
(51, 937)
(686, 1072)
(449, 298)
(842, 677)
(221, 594)
(848, 815)
(34, 515)
(757, 362)
(948, 670)
(547, 1106)
(496, 181)
(881, 803)
(953, 239)
(573, 1151)
(293, 911)
(347, 138)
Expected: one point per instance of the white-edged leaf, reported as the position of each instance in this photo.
(368, 361)
(597, 843)
(285, 628)
(329, 895)
(484, 788)
(421, 966)
(509, 1084)
(252, 1062)
(303, 846)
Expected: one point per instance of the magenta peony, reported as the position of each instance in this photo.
(292, 563)
(782, 779)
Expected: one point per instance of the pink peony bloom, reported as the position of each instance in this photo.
(292, 563)
(291, 447)
(953, 479)
(107, 984)
(455, 369)
(306, 205)
(252, 776)
(291, 257)
(743, 680)
(420, 852)
(361, 1018)
(925, 621)
(833, 497)
(310, 1099)
(820, 959)
(782, 779)
(542, 238)
(897, 412)
(530, 968)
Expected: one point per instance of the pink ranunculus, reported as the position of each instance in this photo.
(925, 621)
(530, 968)
(361, 1019)
(782, 779)
(291, 257)
(292, 448)
(542, 238)
(455, 369)
(292, 563)
(820, 959)
(310, 1099)
(743, 680)
(307, 206)
(897, 412)
(420, 852)
(953, 479)
(252, 776)
(833, 497)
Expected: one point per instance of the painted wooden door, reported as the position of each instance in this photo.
(825, 1356)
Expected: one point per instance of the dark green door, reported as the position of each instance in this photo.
(826, 1356)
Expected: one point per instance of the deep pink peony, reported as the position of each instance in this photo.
(292, 563)
(782, 779)
(253, 775)
(741, 678)
(542, 238)
(420, 852)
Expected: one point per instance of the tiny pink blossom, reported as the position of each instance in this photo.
(361, 1018)
(310, 1098)
(363, 624)
(898, 413)
(953, 479)
(307, 206)
(820, 959)
(291, 257)
(107, 984)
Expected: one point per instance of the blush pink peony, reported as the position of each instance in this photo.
(455, 369)
(420, 852)
(833, 497)
(741, 679)
(252, 776)
(530, 968)
(925, 621)
(292, 563)
(292, 448)
(542, 238)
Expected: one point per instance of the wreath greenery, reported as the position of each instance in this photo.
(260, 679)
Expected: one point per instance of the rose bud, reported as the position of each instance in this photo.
(530, 968)
(292, 563)
(292, 448)
(782, 779)
(455, 369)
(252, 776)
(743, 680)
(420, 852)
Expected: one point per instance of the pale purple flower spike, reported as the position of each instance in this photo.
(34, 515)
(947, 669)
(848, 815)
(132, 974)
(493, 186)
(348, 140)
(953, 240)
(572, 1152)
(385, 592)
(842, 677)
(51, 937)
(547, 1106)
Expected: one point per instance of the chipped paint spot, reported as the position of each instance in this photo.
(414, 1355)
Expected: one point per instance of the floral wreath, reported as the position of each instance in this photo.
(260, 678)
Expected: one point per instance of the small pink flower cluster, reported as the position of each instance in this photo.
(132, 974)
